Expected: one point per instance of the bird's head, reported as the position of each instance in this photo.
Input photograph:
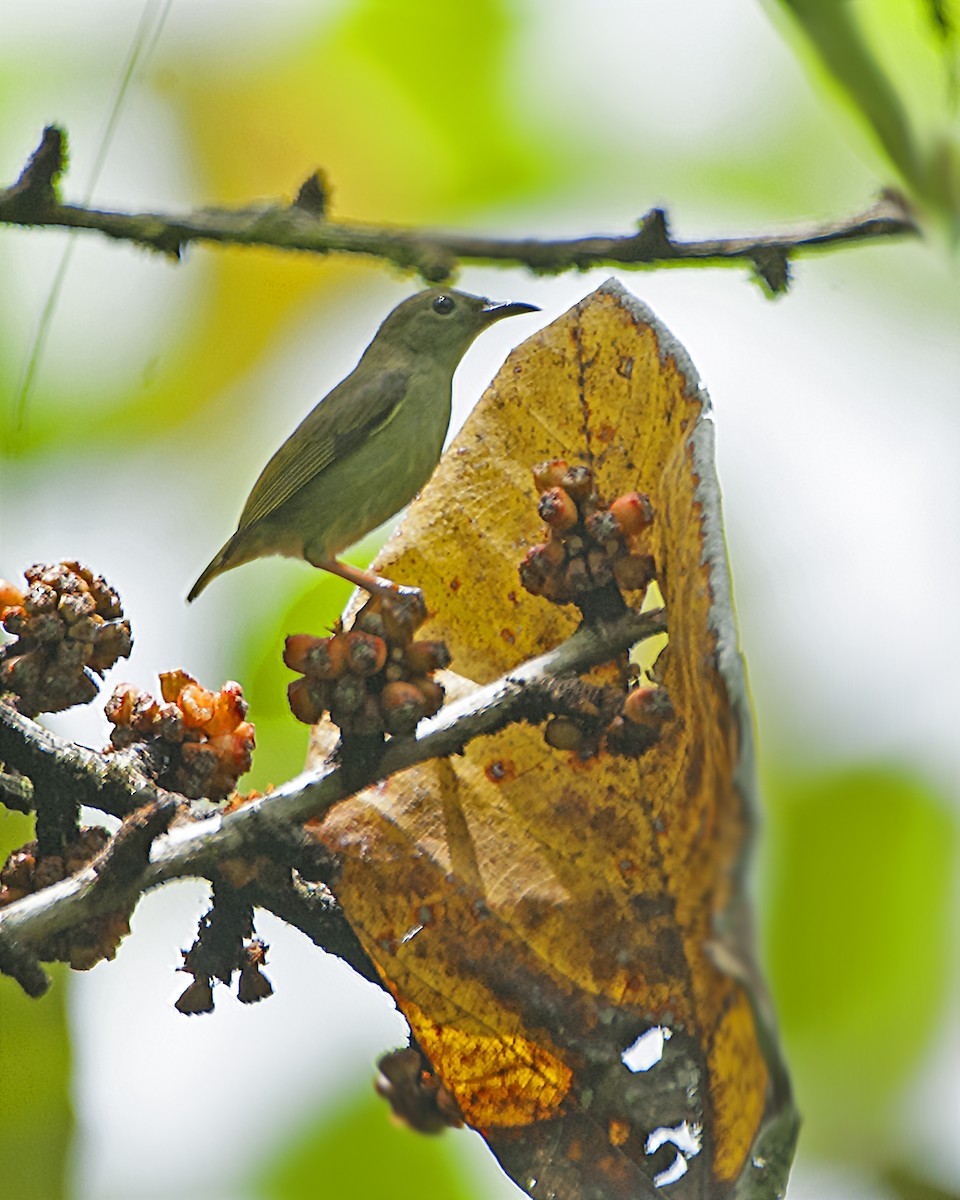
(443, 322)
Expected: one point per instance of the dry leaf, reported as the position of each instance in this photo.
(549, 926)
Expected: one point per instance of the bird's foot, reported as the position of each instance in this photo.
(404, 605)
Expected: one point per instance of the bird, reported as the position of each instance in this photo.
(368, 446)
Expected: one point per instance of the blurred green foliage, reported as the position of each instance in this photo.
(858, 915)
(895, 66)
(357, 1151)
(36, 1118)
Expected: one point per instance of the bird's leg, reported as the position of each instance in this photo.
(374, 584)
(407, 602)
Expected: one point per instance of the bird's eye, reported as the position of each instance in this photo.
(443, 305)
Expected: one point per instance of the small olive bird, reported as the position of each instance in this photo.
(369, 446)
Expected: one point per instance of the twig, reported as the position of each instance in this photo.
(304, 225)
(196, 848)
(16, 791)
(112, 783)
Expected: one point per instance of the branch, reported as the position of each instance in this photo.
(112, 783)
(197, 848)
(304, 225)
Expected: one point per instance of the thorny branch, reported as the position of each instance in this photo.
(304, 225)
(269, 824)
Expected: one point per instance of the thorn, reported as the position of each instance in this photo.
(771, 265)
(36, 187)
(314, 195)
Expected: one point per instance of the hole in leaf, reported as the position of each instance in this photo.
(644, 654)
(687, 1139)
(646, 1051)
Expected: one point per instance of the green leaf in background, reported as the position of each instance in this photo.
(478, 149)
(36, 1118)
(859, 941)
(896, 65)
(357, 1152)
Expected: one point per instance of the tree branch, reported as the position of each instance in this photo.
(199, 847)
(49, 764)
(304, 225)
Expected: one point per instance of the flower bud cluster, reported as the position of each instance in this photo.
(205, 741)
(374, 678)
(631, 732)
(27, 871)
(587, 545)
(646, 710)
(68, 627)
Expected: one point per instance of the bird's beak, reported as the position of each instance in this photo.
(493, 310)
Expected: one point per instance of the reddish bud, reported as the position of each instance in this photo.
(307, 699)
(371, 621)
(320, 658)
(563, 734)
(426, 656)
(17, 871)
(432, 693)
(403, 613)
(10, 595)
(119, 708)
(402, 705)
(647, 706)
(548, 474)
(557, 509)
(14, 619)
(172, 684)
(366, 653)
(603, 527)
(633, 513)
(235, 749)
(578, 483)
(197, 705)
(229, 709)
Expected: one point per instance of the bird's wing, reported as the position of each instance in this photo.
(335, 428)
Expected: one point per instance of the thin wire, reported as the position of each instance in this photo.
(126, 78)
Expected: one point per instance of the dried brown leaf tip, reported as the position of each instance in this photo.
(588, 545)
(224, 947)
(199, 741)
(68, 628)
(253, 985)
(415, 1094)
(373, 679)
(589, 719)
(26, 871)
